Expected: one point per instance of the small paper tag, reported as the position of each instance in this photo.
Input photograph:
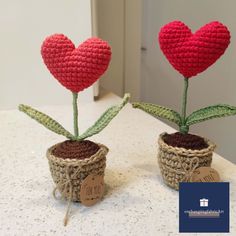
(205, 174)
(92, 189)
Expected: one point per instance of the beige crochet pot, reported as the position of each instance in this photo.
(177, 164)
(68, 174)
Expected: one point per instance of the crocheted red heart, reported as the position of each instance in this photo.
(191, 53)
(75, 68)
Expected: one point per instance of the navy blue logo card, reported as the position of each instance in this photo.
(204, 207)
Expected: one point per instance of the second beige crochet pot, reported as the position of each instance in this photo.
(68, 174)
(177, 164)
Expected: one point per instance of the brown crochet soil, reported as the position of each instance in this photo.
(187, 141)
(75, 149)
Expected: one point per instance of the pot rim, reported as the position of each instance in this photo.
(101, 153)
(183, 151)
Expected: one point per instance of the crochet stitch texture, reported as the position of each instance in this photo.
(75, 68)
(189, 53)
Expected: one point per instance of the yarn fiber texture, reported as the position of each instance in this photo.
(176, 164)
(68, 174)
(75, 68)
(75, 150)
(192, 53)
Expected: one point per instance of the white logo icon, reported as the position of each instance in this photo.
(204, 202)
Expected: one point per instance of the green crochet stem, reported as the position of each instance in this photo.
(54, 126)
(104, 119)
(183, 128)
(183, 121)
(75, 112)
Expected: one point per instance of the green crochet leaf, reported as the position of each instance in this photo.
(207, 113)
(159, 111)
(45, 120)
(105, 119)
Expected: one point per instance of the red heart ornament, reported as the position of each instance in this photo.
(190, 53)
(75, 68)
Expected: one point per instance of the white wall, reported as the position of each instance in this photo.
(161, 84)
(110, 17)
(23, 26)
(133, 20)
(118, 22)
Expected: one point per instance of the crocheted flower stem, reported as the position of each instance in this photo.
(75, 110)
(183, 128)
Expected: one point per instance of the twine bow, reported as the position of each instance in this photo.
(65, 183)
(193, 165)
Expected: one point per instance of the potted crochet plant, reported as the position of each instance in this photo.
(190, 54)
(76, 69)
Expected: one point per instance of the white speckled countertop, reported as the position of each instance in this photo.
(136, 202)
